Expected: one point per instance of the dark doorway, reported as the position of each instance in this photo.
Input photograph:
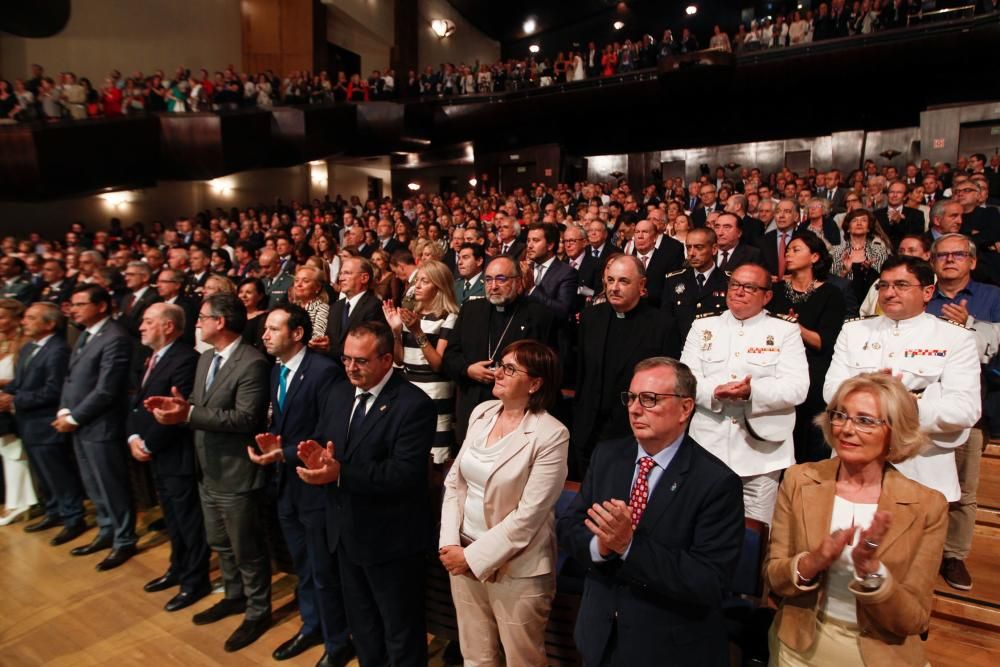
(342, 60)
(374, 188)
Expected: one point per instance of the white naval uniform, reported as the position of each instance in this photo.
(754, 436)
(936, 359)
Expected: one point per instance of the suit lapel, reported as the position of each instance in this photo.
(817, 501)
(528, 425)
(158, 368)
(353, 316)
(899, 501)
(225, 371)
(299, 378)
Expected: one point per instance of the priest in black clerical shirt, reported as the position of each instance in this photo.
(614, 336)
(484, 328)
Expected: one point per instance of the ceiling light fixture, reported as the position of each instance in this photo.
(529, 26)
(413, 186)
(473, 182)
(618, 25)
(691, 10)
(534, 48)
(442, 27)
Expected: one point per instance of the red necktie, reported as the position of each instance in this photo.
(640, 491)
(149, 368)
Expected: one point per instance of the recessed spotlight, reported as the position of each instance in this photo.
(691, 10)
(473, 182)
(413, 186)
(534, 48)
(529, 26)
(617, 25)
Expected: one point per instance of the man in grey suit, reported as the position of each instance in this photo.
(93, 407)
(226, 409)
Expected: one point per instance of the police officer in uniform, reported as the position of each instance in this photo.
(698, 289)
(936, 359)
(752, 371)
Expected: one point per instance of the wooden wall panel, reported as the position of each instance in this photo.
(281, 35)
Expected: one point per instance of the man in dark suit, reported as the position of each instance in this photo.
(378, 431)
(732, 252)
(698, 289)
(575, 243)
(199, 273)
(614, 336)
(57, 287)
(508, 231)
(469, 284)
(774, 244)
(659, 524)
(33, 396)
(898, 220)
(752, 228)
(169, 287)
(483, 329)
(357, 275)
(833, 192)
(300, 384)
(547, 280)
(170, 450)
(657, 261)
(386, 241)
(94, 406)
(226, 409)
(456, 241)
(708, 196)
(14, 283)
(140, 297)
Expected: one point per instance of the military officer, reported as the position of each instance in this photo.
(699, 289)
(752, 372)
(936, 359)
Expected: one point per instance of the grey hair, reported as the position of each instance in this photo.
(142, 267)
(174, 314)
(50, 313)
(957, 237)
(685, 383)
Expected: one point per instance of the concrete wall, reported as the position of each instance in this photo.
(131, 35)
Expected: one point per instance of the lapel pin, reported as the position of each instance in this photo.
(383, 408)
(673, 487)
(522, 327)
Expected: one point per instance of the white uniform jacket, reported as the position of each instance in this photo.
(938, 361)
(753, 436)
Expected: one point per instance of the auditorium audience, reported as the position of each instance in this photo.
(862, 594)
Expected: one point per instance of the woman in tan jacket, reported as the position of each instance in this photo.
(855, 545)
(498, 520)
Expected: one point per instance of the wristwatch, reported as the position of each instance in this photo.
(872, 581)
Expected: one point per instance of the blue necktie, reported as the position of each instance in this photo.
(358, 418)
(282, 387)
(216, 363)
(347, 316)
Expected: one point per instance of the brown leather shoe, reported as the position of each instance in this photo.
(956, 574)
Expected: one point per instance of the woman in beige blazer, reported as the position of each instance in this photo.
(855, 545)
(497, 521)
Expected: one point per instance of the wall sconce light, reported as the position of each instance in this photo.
(413, 187)
(618, 25)
(473, 182)
(529, 26)
(691, 10)
(442, 27)
(534, 48)
(221, 186)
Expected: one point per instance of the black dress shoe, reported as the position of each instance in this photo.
(158, 525)
(248, 632)
(339, 658)
(100, 543)
(220, 610)
(168, 580)
(296, 645)
(44, 524)
(117, 557)
(186, 599)
(68, 534)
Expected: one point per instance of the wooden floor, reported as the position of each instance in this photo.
(56, 609)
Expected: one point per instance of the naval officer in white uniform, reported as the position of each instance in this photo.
(936, 359)
(752, 372)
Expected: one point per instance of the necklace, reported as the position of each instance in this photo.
(799, 297)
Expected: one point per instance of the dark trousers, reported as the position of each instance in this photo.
(59, 480)
(189, 552)
(320, 596)
(104, 470)
(385, 608)
(235, 532)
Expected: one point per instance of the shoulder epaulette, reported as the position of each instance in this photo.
(863, 317)
(957, 324)
(704, 315)
(784, 316)
(676, 273)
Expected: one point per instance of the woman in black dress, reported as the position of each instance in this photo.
(819, 309)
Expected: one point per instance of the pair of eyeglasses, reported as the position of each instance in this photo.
(957, 254)
(361, 362)
(499, 280)
(749, 288)
(510, 370)
(862, 423)
(899, 285)
(647, 399)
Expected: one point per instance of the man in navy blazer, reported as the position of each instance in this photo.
(378, 431)
(33, 396)
(170, 449)
(546, 279)
(659, 523)
(93, 407)
(300, 384)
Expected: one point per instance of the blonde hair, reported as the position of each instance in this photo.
(319, 276)
(898, 408)
(440, 276)
(226, 285)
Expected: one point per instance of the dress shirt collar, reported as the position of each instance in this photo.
(294, 363)
(664, 457)
(352, 301)
(374, 391)
(158, 354)
(707, 272)
(905, 325)
(227, 351)
(93, 330)
(474, 279)
(39, 344)
(547, 264)
(136, 295)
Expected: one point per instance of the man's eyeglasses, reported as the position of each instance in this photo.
(862, 423)
(965, 191)
(499, 280)
(360, 361)
(957, 254)
(899, 285)
(647, 399)
(749, 288)
(510, 370)
(207, 317)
